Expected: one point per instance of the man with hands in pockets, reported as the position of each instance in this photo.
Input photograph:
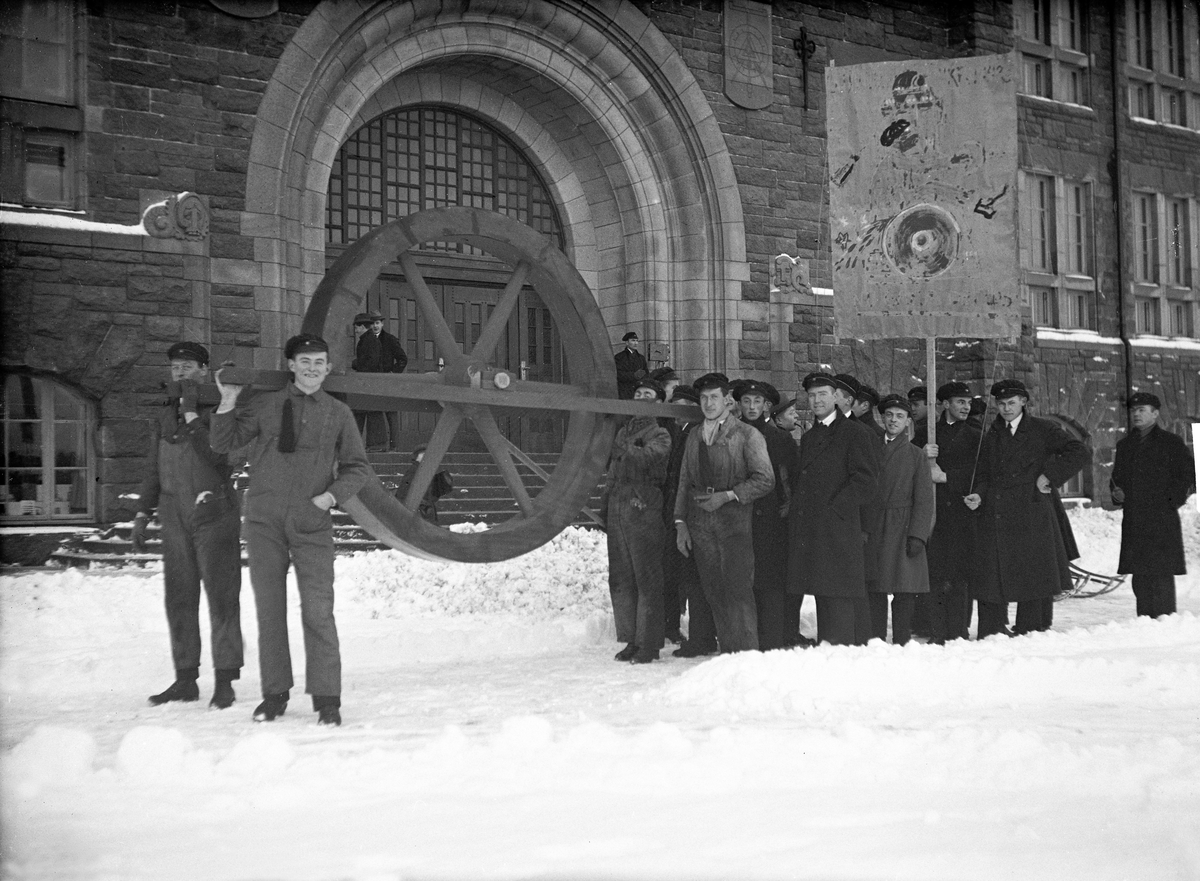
(307, 456)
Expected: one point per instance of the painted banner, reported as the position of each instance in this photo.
(923, 198)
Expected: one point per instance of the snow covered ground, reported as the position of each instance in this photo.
(489, 734)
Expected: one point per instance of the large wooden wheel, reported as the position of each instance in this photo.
(471, 388)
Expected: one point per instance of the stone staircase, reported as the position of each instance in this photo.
(479, 496)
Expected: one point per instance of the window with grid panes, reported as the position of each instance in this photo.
(1166, 246)
(40, 118)
(48, 465)
(425, 157)
(1163, 57)
(1057, 250)
(1145, 220)
(1052, 39)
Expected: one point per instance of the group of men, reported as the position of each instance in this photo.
(306, 455)
(726, 512)
(861, 510)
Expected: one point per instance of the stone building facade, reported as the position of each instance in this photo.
(671, 198)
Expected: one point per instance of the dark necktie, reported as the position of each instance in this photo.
(287, 431)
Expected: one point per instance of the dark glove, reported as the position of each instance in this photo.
(914, 546)
(137, 537)
(187, 396)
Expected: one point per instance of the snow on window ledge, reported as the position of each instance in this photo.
(55, 220)
(1075, 335)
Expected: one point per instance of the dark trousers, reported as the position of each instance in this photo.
(202, 547)
(1034, 616)
(836, 618)
(949, 611)
(680, 580)
(303, 539)
(862, 620)
(635, 577)
(993, 619)
(370, 426)
(1155, 594)
(725, 560)
(903, 605)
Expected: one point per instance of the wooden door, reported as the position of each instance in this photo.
(529, 348)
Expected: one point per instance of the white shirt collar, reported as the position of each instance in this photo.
(828, 420)
(1012, 426)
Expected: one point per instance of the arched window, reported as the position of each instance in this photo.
(49, 466)
(424, 157)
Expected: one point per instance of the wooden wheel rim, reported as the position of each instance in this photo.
(342, 294)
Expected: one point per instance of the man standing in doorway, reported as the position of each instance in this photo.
(377, 351)
(631, 365)
(1152, 476)
(192, 487)
(307, 457)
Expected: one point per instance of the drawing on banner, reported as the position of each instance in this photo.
(923, 198)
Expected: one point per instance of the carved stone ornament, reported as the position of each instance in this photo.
(790, 275)
(184, 216)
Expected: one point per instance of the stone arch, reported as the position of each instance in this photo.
(650, 207)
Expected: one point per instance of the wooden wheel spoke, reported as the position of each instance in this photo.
(485, 346)
(435, 321)
(498, 445)
(435, 451)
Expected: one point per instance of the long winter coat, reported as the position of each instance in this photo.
(951, 551)
(631, 366)
(1156, 473)
(836, 474)
(1023, 551)
(906, 509)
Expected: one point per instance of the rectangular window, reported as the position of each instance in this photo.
(37, 50)
(1042, 301)
(1042, 225)
(1057, 251)
(1147, 315)
(1052, 39)
(49, 178)
(1079, 227)
(532, 335)
(1179, 315)
(1179, 270)
(1176, 62)
(1174, 106)
(1141, 100)
(1142, 34)
(1145, 218)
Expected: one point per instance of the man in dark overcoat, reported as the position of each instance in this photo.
(1023, 550)
(846, 396)
(863, 409)
(1152, 476)
(192, 488)
(776, 607)
(952, 545)
(836, 475)
(377, 351)
(637, 469)
(725, 469)
(631, 366)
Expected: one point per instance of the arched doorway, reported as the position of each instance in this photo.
(416, 158)
(600, 103)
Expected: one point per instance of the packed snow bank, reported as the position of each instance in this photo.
(489, 734)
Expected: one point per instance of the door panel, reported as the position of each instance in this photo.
(530, 348)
